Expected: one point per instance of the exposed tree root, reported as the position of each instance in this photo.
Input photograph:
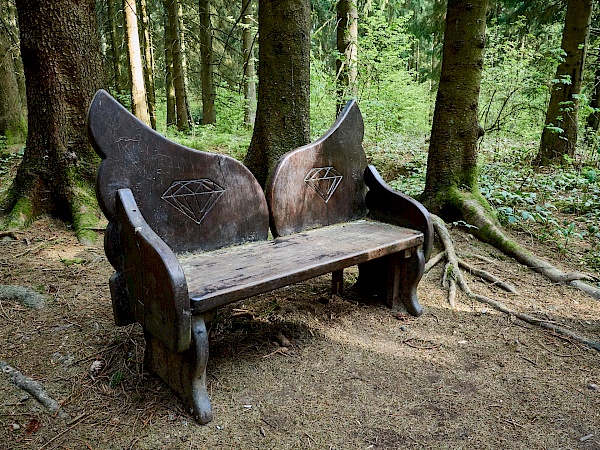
(453, 277)
(487, 231)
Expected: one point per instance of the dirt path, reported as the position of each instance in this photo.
(353, 377)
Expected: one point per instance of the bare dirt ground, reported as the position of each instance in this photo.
(353, 376)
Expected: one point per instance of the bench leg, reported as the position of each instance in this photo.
(184, 372)
(394, 279)
(337, 282)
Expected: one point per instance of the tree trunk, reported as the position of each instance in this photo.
(169, 86)
(209, 114)
(12, 113)
(63, 69)
(452, 160)
(593, 119)
(249, 70)
(283, 111)
(139, 104)
(559, 136)
(115, 45)
(148, 64)
(346, 63)
(178, 67)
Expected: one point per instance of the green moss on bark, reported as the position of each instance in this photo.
(21, 215)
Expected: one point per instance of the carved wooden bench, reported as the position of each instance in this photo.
(188, 233)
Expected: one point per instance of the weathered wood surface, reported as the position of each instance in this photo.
(321, 183)
(388, 205)
(234, 273)
(193, 200)
(153, 280)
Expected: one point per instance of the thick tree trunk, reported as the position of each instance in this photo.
(148, 64)
(249, 70)
(346, 64)
(115, 45)
(63, 69)
(209, 114)
(283, 111)
(169, 86)
(139, 103)
(178, 66)
(452, 160)
(559, 136)
(13, 114)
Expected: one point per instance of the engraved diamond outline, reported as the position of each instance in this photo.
(193, 198)
(324, 180)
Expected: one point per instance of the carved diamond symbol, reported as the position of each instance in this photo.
(324, 180)
(194, 198)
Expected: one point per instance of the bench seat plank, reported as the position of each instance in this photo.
(234, 273)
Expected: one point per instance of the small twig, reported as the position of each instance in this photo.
(407, 342)
(63, 432)
(528, 360)
(512, 423)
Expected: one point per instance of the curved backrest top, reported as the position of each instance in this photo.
(193, 200)
(321, 183)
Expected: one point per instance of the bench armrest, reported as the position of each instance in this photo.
(151, 277)
(388, 205)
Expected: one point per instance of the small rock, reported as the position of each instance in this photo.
(593, 386)
(16, 426)
(403, 328)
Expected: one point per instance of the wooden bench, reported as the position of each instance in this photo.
(188, 233)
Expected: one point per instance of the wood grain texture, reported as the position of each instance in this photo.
(303, 190)
(172, 183)
(388, 205)
(223, 276)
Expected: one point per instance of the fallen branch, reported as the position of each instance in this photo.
(30, 386)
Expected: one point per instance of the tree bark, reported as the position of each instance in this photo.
(593, 120)
(139, 103)
(283, 111)
(169, 86)
(148, 64)
(209, 114)
(13, 114)
(63, 69)
(452, 160)
(249, 69)
(115, 45)
(346, 64)
(181, 109)
(559, 136)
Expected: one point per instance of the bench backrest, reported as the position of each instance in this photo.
(193, 200)
(321, 183)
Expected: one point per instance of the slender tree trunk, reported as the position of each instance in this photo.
(559, 136)
(249, 70)
(209, 114)
(169, 86)
(63, 69)
(452, 160)
(346, 64)
(13, 118)
(139, 103)
(115, 45)
(593, 119)
(184, 70)
(178, 68)
(148, 64)
(283, 111)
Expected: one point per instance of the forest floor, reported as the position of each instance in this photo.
(352, 376)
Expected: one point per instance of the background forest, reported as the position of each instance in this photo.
(189, 69)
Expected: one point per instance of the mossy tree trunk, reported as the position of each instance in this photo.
(181, 109)
(283, 110)
(148, 63)
(559, 136)
(169, 86)
(13, 114)
(249, 68)
(115, 41)
(63, 69)
(593, 120)
(452, 161)
(346, 63)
